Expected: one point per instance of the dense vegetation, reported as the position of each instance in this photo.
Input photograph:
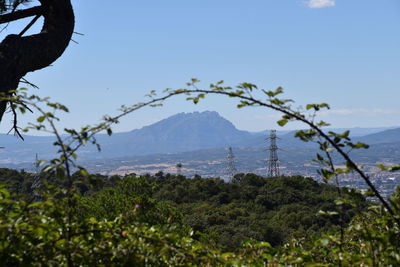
(273, 210)
(131, 220)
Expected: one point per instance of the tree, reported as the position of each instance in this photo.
(21, 54)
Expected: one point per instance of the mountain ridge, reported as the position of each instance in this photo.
(178, 133)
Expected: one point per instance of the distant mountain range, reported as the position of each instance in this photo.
(179, 133)
(384, 137)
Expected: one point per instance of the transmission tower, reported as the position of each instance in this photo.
(179, 168)
(231, 168)
(273, 161)
(36, 184)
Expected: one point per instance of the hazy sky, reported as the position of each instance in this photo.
(344, 52)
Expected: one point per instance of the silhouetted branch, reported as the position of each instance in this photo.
(21, 14)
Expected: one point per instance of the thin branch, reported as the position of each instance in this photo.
(23, 80)
(15, 123)
(29, 25)
(341, 220)
(21, 14)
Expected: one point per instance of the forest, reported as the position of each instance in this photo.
(170, 219)
(273, 210)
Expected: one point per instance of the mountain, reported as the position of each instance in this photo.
(388, 136)
(16, 150)
(181, 132)
(178, 133)
(286, 138)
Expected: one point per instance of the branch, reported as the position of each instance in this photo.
(29, 25)
(15, 123)
(21, 14)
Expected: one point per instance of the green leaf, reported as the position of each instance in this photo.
(388, 169)
(324, 242)
(84, 172)
(360, 145)
(322, 124)
(40, 119)
(4, 192)
(317, 107)
(282, 122)
(310, 106)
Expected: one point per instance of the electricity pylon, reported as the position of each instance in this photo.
(231, 168)
(36, 184)
(273, 161)
(179, 168)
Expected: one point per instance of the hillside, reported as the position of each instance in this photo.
(181, 132)
(178, 133)
(383, 137)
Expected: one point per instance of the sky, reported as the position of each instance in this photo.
(343, 52)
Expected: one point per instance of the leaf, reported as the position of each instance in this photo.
(324, 242)
(5, 193)
(360, 145)
(369, 193)
(282, 122)
(109, 131)
(40, 119)
(317, 107)
(84, 172)
(322, 124)
(388, 169)
(310, 106)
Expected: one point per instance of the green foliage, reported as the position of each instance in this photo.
(132, 199)
(274, 210)
(43, 234)
(372, 239)
(20, 182)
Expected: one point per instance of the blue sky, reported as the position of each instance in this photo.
(344, 52)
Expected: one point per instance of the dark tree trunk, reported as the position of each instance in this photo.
(20, 55)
